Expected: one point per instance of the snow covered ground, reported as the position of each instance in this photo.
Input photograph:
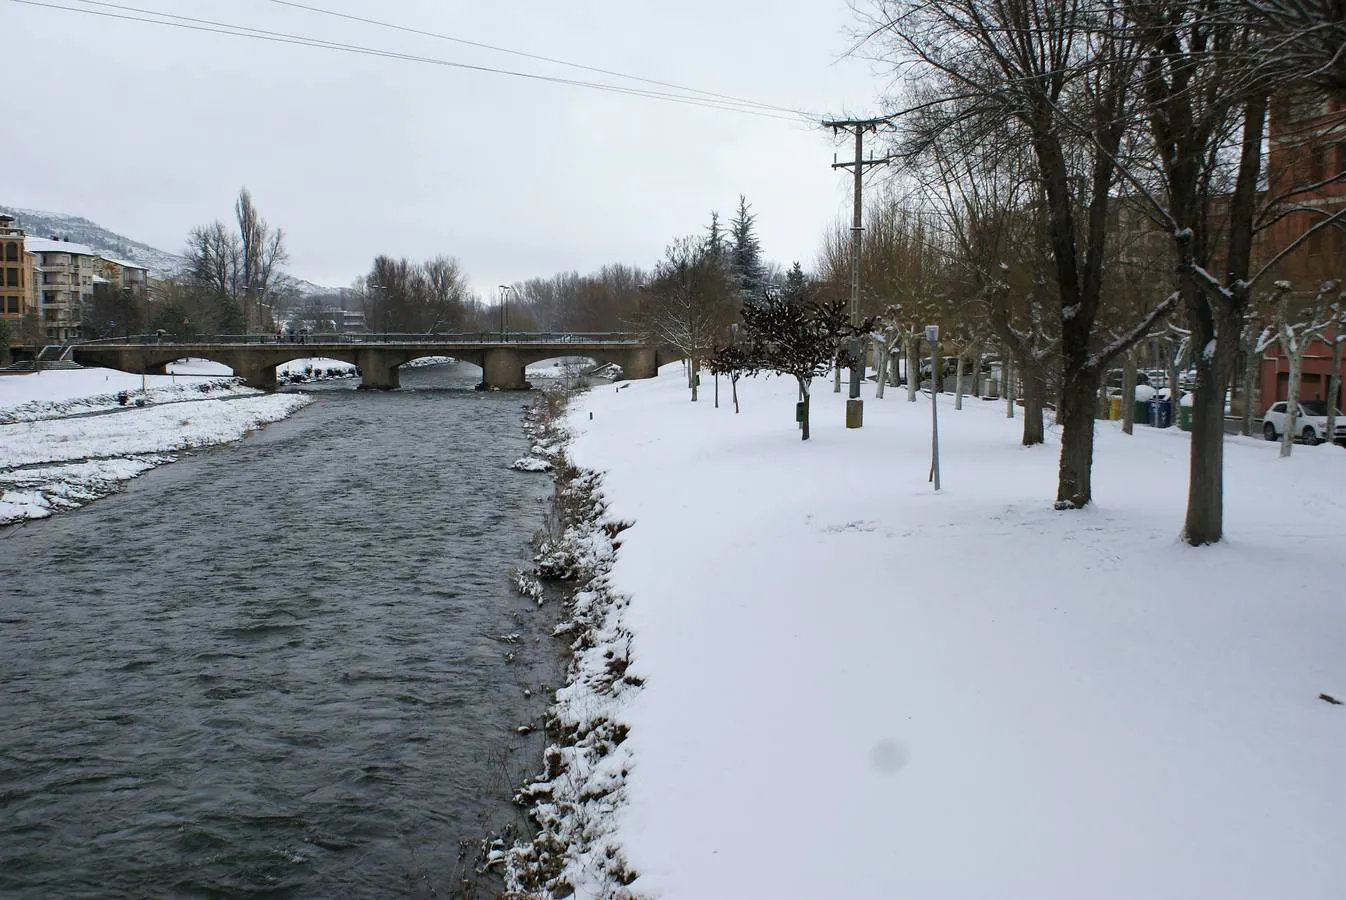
(69, 437)
(856, 687)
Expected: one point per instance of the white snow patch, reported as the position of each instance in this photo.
(972, 690)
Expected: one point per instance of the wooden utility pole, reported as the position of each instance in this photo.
(854, 405)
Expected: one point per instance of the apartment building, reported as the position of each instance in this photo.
(123, 274)
(68, 272)
(16, 276)
(1305, 169)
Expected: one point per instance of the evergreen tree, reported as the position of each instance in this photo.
(714, 246)
(745, 253)
(796, 283)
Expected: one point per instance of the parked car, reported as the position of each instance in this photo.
(1311, 423)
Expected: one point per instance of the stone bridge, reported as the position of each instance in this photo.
(501, 357)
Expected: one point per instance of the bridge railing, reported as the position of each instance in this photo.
(353, 339)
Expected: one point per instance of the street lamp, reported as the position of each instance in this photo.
(932, 336)
(504, 308)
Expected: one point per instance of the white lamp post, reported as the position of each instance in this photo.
(932, 336)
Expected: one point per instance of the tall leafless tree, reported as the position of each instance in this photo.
(690, 303)
(1060, 73)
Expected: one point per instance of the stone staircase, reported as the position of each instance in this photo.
(52, 356)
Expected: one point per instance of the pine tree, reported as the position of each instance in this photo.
(745, 253)
(714, 245)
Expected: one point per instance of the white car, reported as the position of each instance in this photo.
(1310, 424)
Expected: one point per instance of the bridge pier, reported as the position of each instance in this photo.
(260, 375)
(642, 363)
(502, 370)
(379, 370)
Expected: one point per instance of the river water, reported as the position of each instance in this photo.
(275, 668)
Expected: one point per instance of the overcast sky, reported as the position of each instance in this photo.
(149, 130)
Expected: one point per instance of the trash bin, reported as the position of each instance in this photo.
(1140, 414)
(799, 411)
(1185, 418)
(1161, 415)
(1114, 408)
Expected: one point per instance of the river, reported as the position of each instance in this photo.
(276, 668)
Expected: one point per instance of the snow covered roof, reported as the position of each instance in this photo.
(43, 245)
(125, 264)
(99, 279)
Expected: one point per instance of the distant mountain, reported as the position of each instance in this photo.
(46, 224)
(161, 263)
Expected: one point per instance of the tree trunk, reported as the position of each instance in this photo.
(1076, 416)
(717, 389)
(1334, 387)
(978, 389)
(1251, 359)
(804, 424)
(733, 386)
(692, 378)
(1292, 397)
(882, 351)
(1129, 391)
(913, 370)
(958, 388)
(836, 379)
(1006, 375)
(1035, 401)
(1205, 480)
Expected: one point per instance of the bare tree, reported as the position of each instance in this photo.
(1057, 72)
(239, 269)
(261, 254)
(1295, 327)
(690, 303)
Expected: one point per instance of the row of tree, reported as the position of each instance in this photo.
(1079, 171)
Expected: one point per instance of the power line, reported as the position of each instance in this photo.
(535, 56)
(303, 40)
(212, 27)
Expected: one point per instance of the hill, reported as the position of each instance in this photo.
(161, 263)
(46, 224)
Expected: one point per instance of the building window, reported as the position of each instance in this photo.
(1316, 154)
(11, 277)
(11, 252)
(1305, 104)
(12, 306)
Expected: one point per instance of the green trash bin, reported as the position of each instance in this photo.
(1185, 418)
(799, 412)
(1140, 413)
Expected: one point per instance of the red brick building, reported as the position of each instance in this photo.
(1306, 169)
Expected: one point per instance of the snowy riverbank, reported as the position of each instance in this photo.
(70, 437)
(855, 687)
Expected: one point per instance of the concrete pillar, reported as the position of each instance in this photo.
(642, 363)
(502, 370)
(256, 374)
(379, 370)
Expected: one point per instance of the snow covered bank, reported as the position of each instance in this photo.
(854, 687)
(48, 463)
(575, 798)
(68, 392)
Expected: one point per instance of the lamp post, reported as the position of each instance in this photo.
(504, 309)
(932, 336)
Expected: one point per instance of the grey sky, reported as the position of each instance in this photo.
(150, 130)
